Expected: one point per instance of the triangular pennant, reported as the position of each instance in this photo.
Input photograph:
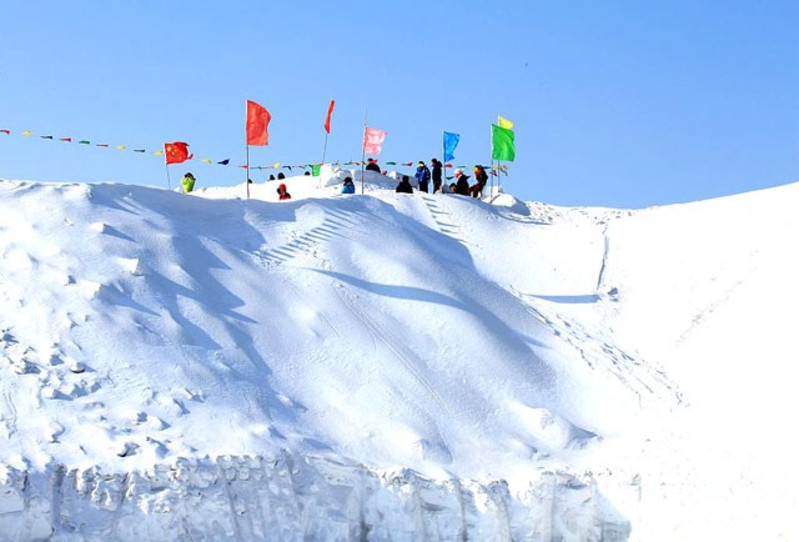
(139, 150)
(66, 139)
(84, 142)
(122, 147)
(46, 137)
(224, 162)
(7, 132)
(206, 160)
(158, 153)
(27, 133)
(105, 145)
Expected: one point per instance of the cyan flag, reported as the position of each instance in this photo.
(450, 142)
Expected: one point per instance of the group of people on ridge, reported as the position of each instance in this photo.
(460, 186)
(423, 177)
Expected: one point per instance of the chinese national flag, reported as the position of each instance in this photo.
(329, 114)
(257, 123)
(177, 152)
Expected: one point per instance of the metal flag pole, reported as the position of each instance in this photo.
(247, 180)
(168, 181)
(247, 147)
(363, 149)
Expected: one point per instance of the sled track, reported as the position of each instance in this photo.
(378, 334)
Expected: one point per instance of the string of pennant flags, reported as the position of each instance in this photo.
(257, 134)
(226, 162)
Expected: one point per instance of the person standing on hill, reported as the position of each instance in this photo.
(423, 176)
(462, 183)
(481, 177)
(187, 182)
(436, 174)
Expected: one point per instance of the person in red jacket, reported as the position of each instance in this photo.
(476, 190)
(282, 193)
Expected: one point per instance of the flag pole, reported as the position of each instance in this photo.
(247, 147)
(247, 180)
(168, 181)
(363, 149)
(324, 149)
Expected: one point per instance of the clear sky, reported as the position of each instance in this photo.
(617, 103)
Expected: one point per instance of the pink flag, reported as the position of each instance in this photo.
(372, 140)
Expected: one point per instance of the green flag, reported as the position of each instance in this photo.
(315, 168)
(502, 145)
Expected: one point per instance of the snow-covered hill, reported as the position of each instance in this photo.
(401, 366)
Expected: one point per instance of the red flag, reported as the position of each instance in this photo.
(7, 132)
(67, 139)
(177, 152)
(257, 123)
(329, 114)
(373, 140)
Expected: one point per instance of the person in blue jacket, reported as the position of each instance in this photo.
(423, 176)
(348, 187)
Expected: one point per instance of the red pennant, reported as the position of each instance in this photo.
(329, 114)
(177, 152)
(67, 139)
(7, 132)
(102, 144)
(257, 124)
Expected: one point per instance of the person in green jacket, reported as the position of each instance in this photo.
(188, 182)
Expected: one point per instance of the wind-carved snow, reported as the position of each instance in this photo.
(388, 366)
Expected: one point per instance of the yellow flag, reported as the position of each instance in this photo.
(505, 123)
(277, 165)
(27, 132)
(158, 153)
(121, 147)
(206, 160)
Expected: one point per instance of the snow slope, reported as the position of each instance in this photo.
(582, 357)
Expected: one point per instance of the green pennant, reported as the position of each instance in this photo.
(84, 142)
(503, 146)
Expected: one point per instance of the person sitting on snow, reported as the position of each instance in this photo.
(476, 190)
(282, 193)
(188, 182)
(404, 186)
(462, 183)
(348, 187)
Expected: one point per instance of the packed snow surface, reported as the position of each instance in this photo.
(385, 365)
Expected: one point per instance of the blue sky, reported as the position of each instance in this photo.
(619, 103)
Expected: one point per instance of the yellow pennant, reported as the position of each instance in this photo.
(27, 133)
(158, 153)
(206, 160)
(277, 165)
(505, 123)
(121, 147)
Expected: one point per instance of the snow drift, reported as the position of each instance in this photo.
(366, 343)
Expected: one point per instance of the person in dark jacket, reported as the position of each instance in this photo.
(436, 174)
(281, 176)
(371, 165)
(282, 192)
(348, 187)
(271, 177)
(404, 186)
(480, 175)
(422, 176)
(462, 183)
